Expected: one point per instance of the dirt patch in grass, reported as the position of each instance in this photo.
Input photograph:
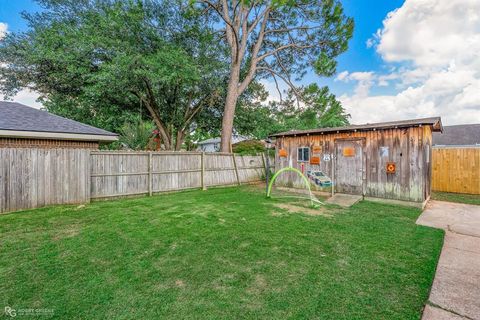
(291, 208)
(67, 233)
(258, 285)
(179, 283)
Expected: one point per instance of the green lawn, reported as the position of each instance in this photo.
(223, 253)
(457, 197)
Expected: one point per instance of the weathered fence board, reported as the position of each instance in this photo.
(127, 173)
(118, 173)
(34, 177)
(176, 171)
(456, 169)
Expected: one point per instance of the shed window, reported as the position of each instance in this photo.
(303, 154)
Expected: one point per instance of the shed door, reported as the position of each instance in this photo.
(349, 166)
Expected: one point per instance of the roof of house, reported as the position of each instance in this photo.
(19, 120)
(463, 135)
(435, 122)
(235, 139)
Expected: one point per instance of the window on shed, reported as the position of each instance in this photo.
(303, 154)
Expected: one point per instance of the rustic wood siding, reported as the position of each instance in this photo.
(456, 169)
(406, 147)
(35, 177)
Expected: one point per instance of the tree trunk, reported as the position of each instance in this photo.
(229, 109)
(179, 140)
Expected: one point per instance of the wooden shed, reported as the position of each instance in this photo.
(389, 160)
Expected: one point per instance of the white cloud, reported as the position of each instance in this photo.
(27, 98)
(450, 94)
(370, 42)
(437, 43)
(364, 81)
(3, 29)
(432, 32)
(342, 76)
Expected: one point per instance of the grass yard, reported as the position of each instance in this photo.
(457, 197)
(223, 253)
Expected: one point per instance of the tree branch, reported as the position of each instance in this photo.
(225, 17)
(290, 45)
(277, 86)
(257, 20)
(286, 80)
(256, 48)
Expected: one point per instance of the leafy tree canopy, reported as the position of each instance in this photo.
(105, 62)
(317, 108)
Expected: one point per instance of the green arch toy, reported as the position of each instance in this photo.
(304, 179)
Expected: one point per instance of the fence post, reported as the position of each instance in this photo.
(203, 171)
(235, 167)
(266, 166)
(150, 176)
(88, 177)
(333, 173)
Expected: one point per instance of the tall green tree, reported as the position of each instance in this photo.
(111, 60)
(280, 39)
(317, 108)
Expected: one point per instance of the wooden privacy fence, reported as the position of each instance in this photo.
(32, 177)
(456, 169)
(128, 173)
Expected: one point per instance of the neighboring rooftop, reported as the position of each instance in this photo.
(435, 122)
(19, 118)
(235, 139)
(460, 135)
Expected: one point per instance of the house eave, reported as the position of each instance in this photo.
(57, 136)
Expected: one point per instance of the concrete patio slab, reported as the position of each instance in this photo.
(455, 291)
(434, 313)
(457, 217)
(344, 200)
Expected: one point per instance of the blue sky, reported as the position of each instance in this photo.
(368, 18)
(422, 59)
(10, 12)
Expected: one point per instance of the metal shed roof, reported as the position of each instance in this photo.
(435, 122)
(19, 118)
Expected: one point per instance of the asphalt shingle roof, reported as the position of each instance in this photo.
(460, 135)
(19, 117)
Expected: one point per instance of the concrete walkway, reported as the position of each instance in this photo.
(344, 200)
(455, 291)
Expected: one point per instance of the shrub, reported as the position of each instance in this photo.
(136, 135)
(248, 147)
